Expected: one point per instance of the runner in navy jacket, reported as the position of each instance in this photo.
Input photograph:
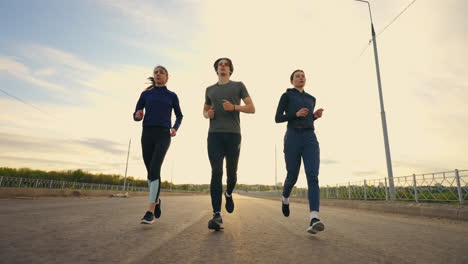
(296, 107)
(157, 102)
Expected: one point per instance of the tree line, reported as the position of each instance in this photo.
(114, 179)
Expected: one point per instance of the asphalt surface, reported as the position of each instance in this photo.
(108, 230)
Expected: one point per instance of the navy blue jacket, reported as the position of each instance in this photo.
(292, 101)
(158, 103)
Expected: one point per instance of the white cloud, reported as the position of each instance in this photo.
(46, 72)
(22, 72)
(167, 20)
(61, 58)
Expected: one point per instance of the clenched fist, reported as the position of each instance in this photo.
(228, 106)
(211, 112)
(318, 113)
(302, 112)
(139, 115)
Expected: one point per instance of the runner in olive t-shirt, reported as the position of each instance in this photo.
(222, 107)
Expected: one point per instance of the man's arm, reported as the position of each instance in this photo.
(208, 111)
(248, 108)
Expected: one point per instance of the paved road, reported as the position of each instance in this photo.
(107, 230)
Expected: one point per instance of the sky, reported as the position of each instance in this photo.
(71, 73)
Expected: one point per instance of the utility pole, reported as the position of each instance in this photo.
(382, 111)
(126, 167)
(172, 174)
(276, 171)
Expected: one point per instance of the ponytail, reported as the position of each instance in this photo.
(153, 83)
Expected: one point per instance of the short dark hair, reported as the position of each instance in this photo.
(292, 74)
(231, 67)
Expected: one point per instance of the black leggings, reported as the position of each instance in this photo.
(155, 142)
(222, 145)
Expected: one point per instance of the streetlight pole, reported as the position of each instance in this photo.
(126, 166)
(276, 181)
(382, 111)
(172, 175)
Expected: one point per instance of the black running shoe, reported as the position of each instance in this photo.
(148, 218)
(229, 203)
(157, 209)
(315, 226)
(216, 223)
(285, 208)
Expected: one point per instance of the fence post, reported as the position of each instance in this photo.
(460, 193)
(328, 190)
(63, 184)
(19, 184)
(336, 192)
(365, 190)
(35, 185)
(349, 190)
(1, 179)
(415, 188)
(386, 190)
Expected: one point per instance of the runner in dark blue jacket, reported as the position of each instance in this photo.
(157, 102)
(295, 107)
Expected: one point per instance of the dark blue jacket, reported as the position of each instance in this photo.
(158, 104)
(292, 101)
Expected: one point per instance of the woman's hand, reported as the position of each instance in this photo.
(139, 115)
(302, 112)
(173, 132)
(318, 113)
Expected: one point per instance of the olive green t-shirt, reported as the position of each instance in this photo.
(225, 121)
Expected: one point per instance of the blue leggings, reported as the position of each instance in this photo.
(302, 143)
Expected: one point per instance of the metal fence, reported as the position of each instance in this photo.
(51, 184)
(449, 186)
